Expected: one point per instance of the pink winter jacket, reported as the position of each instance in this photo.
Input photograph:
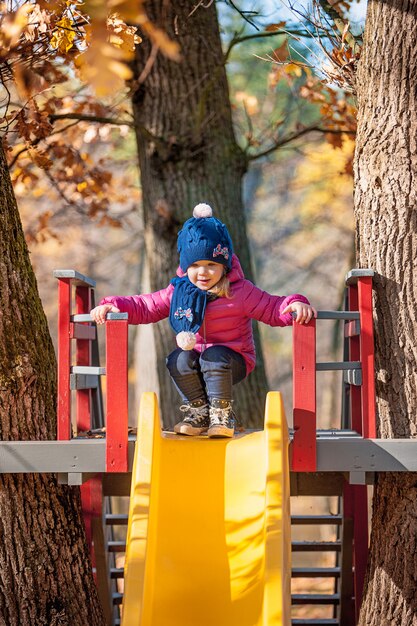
(227, 322)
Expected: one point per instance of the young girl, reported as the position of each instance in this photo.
(211, 306)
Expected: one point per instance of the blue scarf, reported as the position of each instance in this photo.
(188, 306)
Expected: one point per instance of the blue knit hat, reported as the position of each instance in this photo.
(204, 238)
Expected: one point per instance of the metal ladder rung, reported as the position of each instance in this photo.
(88, 369)
(83, 381)
(326, 366)
(116, 572)
(315, 621)
(337, 315)
(316, 546)
(116, 546)
(315, 572)
(315, 598)
(117, 599)
(316, 519)
(114, 519)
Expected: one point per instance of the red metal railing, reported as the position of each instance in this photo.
(361, 347)
(359, 332)
(361, 355)
(304, 456)
(83, 376)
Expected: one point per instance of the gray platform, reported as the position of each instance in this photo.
(337, 451)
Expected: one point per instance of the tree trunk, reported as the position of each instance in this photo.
(45, 571)
(188, 154)
(385, 207)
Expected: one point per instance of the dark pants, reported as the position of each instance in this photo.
(208, 375)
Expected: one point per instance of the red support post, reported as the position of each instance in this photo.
(304, 394)
(363, 419)
(355, 506)
(367, 356)
(64, 360)
(117, 396)
(92, 506)
(354, 355)
(83, 357)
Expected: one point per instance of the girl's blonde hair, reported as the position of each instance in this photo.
(222, 288)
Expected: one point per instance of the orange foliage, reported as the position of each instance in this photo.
(43, 45)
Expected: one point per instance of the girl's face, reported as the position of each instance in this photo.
(205, 274)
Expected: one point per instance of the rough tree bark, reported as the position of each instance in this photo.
(45, 570)
(385, 207)
(188, 154)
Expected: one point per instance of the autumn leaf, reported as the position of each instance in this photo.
(121, 35)
(168, 47)
(38, 23)
(110, 45)
(293, 69)
(40, 158)
(281, 53)
(44, 219)
(274, 27)
(13, 25)
(345, 31)
(100, 67)
(334, 139)
(64, 35)
(134, 13)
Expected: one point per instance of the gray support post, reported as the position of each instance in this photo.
(102, 567)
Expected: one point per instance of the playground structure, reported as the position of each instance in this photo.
(236, 569)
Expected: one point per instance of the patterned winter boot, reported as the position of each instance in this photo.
(196, 419)
(222, 418)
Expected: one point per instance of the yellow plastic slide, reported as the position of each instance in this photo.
(209, 528)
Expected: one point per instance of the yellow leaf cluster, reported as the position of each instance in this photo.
(121, 35)
(102, 65)
(168, 47)
(132, 13)
(64, 35)
(288, 71)
(110, 44)
(325, 173)
(293, 69)
(99, 31)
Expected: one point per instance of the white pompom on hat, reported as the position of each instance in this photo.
(202, 210)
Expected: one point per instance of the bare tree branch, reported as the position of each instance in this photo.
(244, 14)
(279, 143)
(82, 117)
(236, 40)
